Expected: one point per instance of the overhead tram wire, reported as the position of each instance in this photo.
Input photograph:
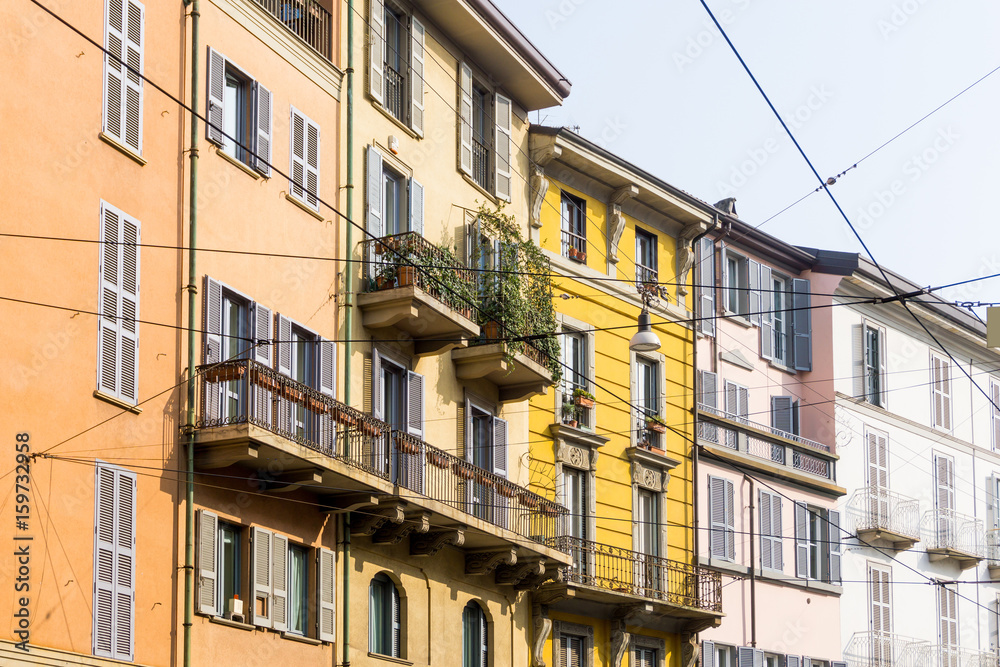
(885, 277)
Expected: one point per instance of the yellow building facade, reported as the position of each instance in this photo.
(612, 442)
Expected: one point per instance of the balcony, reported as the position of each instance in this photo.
(949, 534)
(418, 288)
(884, 649)
(308, 19)
(395, 92)
(953, 656)
(604, 581)
(993, 553)
(881, 514)
(293, 437)
(519, 373)
(767, 448)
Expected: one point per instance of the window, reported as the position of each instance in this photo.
(776, 313)
(574, 227)
(781, 307)
(948, 625)
(384, 617)
(304, 183)
(570, 651)
(817, 543)
(644, 657)
(486, 448)
(785, 414)
(736, 283)
(114, 562)
(646, 651)
(717, 655)
(737, 408)
(572, 644)
(771, 556)
(124, 40)
(648, 573)
(706, 285)
(396, 63)
(475, 637)
(298, 589)
(722, 518)
(872, 362)
(646, 264)
(574, 498)
(398, 399)
(395, 202)
(880, 612)
(647, 391)
(944, 500)
(239, 114)
(118, 343)
(484, 135)
(228, 564)
(940, 392)
(995, 412)
(877, 476)
(577, 358)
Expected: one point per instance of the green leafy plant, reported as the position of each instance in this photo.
(580, 392)
(569, 412)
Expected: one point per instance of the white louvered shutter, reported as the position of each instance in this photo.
(717, 518)
(753, 271)
(732, 400)
(416, 207)
(730, 521)
(859, 370)
(312, 163)
(376, 49)
(415, 404)
(801, 325)
(417, 76)
(948, 609)
(123, 89)
(708, 654)
(373, 194)
(216, 97)
(502, 146)
(279, 582)
(326, 595)
(262, 335)
(709, 389)
(305, 153)
(262, 122)
(883, 377)
(880, 617)
(706, 285)
(758, 657)
(767, 313)
(283, 348)
(944, 476)
(124, 565)
(104, 562)
(743, 395)
(745, 657)
(376, 381)
(207, 562)
(118, 349)
(792, 661)
(801, 541)
(995, 412)
(766, 549)
(114, 563)
(878, 461)
(327, 367)
(834, 538)
(500, 446)
(941, 390)
(212, 323)
(781, 413)
(260, 575)
(465, 118)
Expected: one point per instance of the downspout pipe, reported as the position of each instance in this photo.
(348, 317)
(192, 290)
(753, 570)
(694, 385)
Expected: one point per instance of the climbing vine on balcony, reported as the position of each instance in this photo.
(517, 293)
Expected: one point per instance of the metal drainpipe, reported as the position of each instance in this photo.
(694, 386)
(753, 573)
(349, 313)
(192, 291)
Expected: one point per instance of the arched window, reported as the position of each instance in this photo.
(384, 628)
(475, 637)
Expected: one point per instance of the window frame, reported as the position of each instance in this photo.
(237, 569)
(573, 226)
(392, 626)
(942, 392)
(642, 643)
(736, 283)
(478, 646)
(300, 597)
(251, 147)
(995, 413)
(818, 542)
(585, 633)
(646, 250)
(571, 327)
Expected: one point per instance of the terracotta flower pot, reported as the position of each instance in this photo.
(407, 275)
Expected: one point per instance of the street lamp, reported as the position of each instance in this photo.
(644, 339)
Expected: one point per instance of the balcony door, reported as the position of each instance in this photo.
(482, 458)
(647, 532)
(880, 616)
(944, 500)
(235, 345)
(878, 479)
(575, 498)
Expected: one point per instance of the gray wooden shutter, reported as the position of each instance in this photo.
(717, 516)
(417, 76)
(777, 539)
(283, 347)
(312, 164)
(859, 345)
(262, 123)
(260, 574)
(753, 269)
(766, 551)
(801, 325)
(801, 541)
(415, 404)
(833, 527)
(743, 394)
(709, 389)
(376, 49)
(114, 563)
(792, 661)
(208, 554)
(327, 367)
(502, 146)
(883, 378)
(416, 207)
(373, 193)
(262, 319)
(279, 582)
(708, 654)
(767, 313)
(377, 408)
(500, 446)
(211, 398)
(745, 657)
(216, 97)
(730, 521)
(465, 118)
(781, 413)
(326, 595)
(706, 285)
(995, 413)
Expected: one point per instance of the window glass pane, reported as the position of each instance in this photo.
(297, 589)
(229, 564)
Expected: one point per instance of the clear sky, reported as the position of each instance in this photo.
(656, 83)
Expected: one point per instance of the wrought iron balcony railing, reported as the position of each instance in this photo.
(410, 259)
(641, 575)
(306, 18)
(876, 509)
(256, 394)
(885, 649)
(647, 279)
(395, 92)
(950, 530)
(481, 164)
(993, 547)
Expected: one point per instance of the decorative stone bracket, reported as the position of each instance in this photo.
(428, 544)
(487, 561)
(616, 219)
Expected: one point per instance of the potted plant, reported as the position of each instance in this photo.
(407, 275)
(578, 255)
(385, 278)
(506, 490)
(528, 499)
(583, 398)
(437, 459)
(461, 470)
(569, 416)
(656, 424)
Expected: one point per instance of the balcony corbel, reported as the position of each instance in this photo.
(511, 575)
(370, 521)
(484, 562)
(394, 533)
(429, 544)
(347, 502)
